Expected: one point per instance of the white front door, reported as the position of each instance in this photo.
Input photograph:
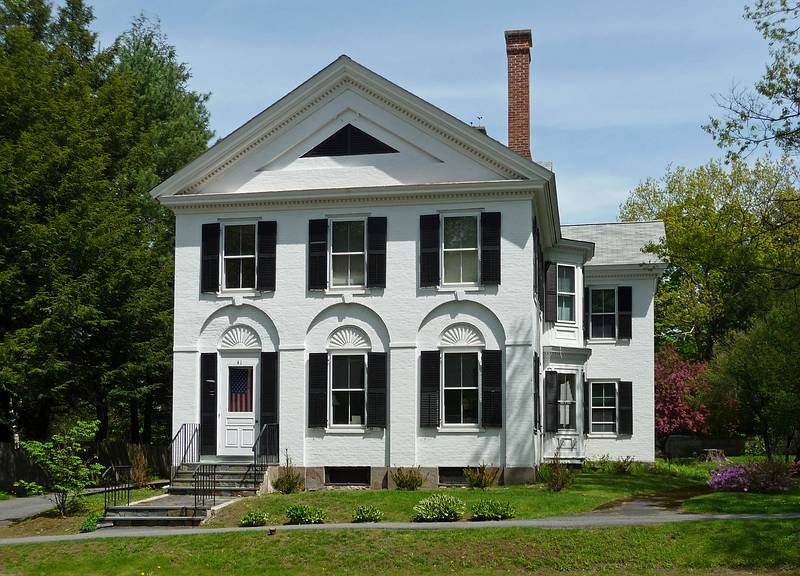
(237, 402)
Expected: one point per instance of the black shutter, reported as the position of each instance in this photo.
(269, 388)
(625, 406)
(587, 406)
(317, 254)
(490, 248)
(624, 309)
(492, 389)
(429, 389)
(318, 390)
(376, 252)
(267, 241)
(429, 250)
(550, 298)
(209, 263)
(537, 411)
(376, 390)
(208, 403)
(587, 316)
(550, 401)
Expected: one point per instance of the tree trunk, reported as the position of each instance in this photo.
(102, 416)
(134, 420)
(147, 425)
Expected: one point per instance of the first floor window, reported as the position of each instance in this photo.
(348, 387)
(460, 248)
(604, 313)
(347, 253)
(461, 388)
(239, 256)
(566, 293)
(604, 407)
(566, 401)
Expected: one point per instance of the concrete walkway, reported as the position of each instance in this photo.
(16, 509)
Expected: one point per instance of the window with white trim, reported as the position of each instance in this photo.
(460, 250)
(566, 401)
(348, 253)
(604, 407)
(348, 389)
(566, 293)
(239, 256)
(460, 388)
(603, 309)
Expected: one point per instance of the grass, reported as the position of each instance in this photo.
(589, 491)
(716, 548)
(745, 502)
(50, 523)
(4, 495)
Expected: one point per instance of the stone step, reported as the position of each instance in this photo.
(227, 483)
(152, 520)
(220, 491)
(224, 474)
(156, 511)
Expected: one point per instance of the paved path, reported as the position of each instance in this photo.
(16, 509)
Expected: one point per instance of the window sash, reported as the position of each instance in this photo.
(565, 297)
(460, 397)
(603, 313)
(238, 267)
(604, 407)
(347, 394)
(348, 266)
(468, 250)
(566, 402)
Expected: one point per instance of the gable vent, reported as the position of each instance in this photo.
(349, 141)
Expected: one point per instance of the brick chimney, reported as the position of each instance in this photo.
(518, 50)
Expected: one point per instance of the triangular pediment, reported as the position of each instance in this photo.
(349, 141)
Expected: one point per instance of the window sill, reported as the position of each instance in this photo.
(602, 435)
(346, 430)
(570, 323)
(566, 433)
(338, 291)
(459, 429)
(602, 341)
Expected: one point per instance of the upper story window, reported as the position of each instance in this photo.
(239, 256)
(566, 293)
(460, 249)
(348, 253)
(460, 387)
(603, 310)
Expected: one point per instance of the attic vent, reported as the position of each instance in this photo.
(349, 141)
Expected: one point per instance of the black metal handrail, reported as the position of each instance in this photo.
(116, 483)
(205, 485)
(184, 447)
(265, 450)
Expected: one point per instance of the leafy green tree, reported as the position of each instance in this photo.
(64, 461)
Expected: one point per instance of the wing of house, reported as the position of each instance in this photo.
(366, 282)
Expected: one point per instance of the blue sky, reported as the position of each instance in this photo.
(620, 89)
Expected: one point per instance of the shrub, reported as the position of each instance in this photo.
(407, 478)
(90, 524)
(622, 466)
(769, 476)
(733, 477)
(139, 474)
(25, 488)
(305, 514)
(289, 480)
(254, 518)
(439, 508)
(555, 475)
(480, 477)
(492, 510)
(365, 513)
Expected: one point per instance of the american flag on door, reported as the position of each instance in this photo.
(240, 390)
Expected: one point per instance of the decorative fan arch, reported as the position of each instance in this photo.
(348, 338)
(240, 337)
(461, 335)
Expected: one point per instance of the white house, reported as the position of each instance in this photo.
(367, 282)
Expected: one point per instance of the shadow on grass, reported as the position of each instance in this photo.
(767, 543)
(638, 484)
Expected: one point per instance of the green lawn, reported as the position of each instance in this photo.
(589, 491)
(50, 522)
(745, 502)
(672, 549)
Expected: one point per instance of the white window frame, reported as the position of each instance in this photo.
(331, 355)
(363, 253)
(573, 402)
(460, 425)
(591, 430)
(559, 293)
(443, 250)
(224, 257)
(592, 290)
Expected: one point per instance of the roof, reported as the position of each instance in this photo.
(618, 243)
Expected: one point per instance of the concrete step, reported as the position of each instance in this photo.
(155, 511)
(220, 491)
(152, 520)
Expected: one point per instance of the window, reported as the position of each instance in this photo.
(604, 407)
(461, 388)
(348, 254)
(239, 256)
(348, 387)
(566, 401)
(566, 293)
(460, 249)
(603, 313)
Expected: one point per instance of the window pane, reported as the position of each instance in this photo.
(356, 371)
(340, 372)
(452, 406)
(452, 370)
(356, 408)
(452, 267)
(339, 275)
(566, 279)
(469, 370)
(469, 266)
(339, 236)
(232, 269)
(248, 273)
(461, 232)
(248, 239)
(609, 304)
(608, 330)
(341, 407)
(566, 387)
(566, 308)
(232, 241)
(356, 269)
(470, 406)
(566, 416)
(356, 236)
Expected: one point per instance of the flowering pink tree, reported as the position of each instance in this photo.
(680, 386)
